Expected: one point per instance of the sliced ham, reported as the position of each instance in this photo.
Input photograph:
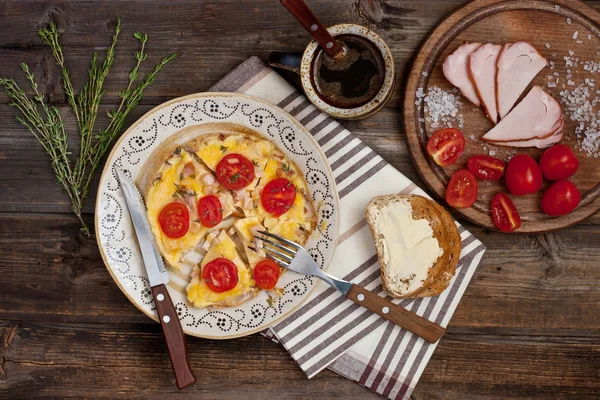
(518, 64)
(539, 143)
(456, 70)
(537, 116)
(482, 70)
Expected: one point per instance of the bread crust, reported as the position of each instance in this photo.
(444, 230)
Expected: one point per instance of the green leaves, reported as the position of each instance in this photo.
(75, 176)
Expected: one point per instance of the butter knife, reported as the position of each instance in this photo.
(158, 278)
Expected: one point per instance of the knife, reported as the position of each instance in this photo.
(158, 278)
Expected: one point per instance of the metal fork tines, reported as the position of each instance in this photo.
(294, 257)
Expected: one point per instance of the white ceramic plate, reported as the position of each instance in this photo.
(116, 236)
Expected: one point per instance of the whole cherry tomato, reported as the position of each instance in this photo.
(523, 175)
(560, 198)
(558, 162)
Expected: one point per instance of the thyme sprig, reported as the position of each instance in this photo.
(45, 123)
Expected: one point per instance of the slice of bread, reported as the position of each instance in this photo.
(444, 230)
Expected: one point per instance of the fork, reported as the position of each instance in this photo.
(292, 256)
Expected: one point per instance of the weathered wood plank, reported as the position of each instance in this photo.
(208, 45)
(544, 285)
(65, 360)
(68, 360)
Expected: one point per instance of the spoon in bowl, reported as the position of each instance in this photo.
(309, 21)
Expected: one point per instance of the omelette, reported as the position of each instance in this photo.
(206, 199)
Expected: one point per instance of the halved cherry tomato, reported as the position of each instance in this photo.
(523, 175)
(462, 189)
(505, 214)
(235, 171)
(486, 167)
(266, 274)
(174, 220)
(445, 146)
(210, 211)
(558, 162)
(278, 196)
(220, 275)
(560, 198)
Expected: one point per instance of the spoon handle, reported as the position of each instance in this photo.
(309, 21)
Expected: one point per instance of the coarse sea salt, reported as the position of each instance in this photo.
(578, 104)
(442, 107)
(569, 21)
(575, 34)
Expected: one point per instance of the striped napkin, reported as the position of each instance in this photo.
(329, 331)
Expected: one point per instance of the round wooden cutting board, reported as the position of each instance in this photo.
(550, 27)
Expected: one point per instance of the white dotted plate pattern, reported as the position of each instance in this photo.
(116, 236)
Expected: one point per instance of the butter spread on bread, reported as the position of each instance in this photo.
(417, 243)
(408, 246)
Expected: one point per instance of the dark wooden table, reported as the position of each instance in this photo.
(528, 325)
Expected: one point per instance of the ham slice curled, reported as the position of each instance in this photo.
(536, 121)
(456, 70)
(483, 68)
(518, 64)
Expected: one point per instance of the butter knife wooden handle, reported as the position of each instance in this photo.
(174, 336)
(396, 314)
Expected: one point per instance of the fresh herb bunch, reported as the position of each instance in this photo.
(44, 121)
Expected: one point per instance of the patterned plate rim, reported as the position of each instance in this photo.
(205, 95)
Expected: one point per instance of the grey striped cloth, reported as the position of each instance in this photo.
(329, 331)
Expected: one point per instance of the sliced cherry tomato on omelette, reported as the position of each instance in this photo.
(220, 275)
(278, 196)
(174, 220)
(266, 274)
(560, 198)
(505, 214)
(235, 171)
(210, 211)
(558, 162)
(462, 189)
(523, 175)
(445, 146)
(486, 167)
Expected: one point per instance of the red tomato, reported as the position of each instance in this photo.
(560, 198)
(486, 167)
(445, 146)
(558, 162)
(266, 274)
(523, 175)
(210, 211)
(220, 275)
(462, 189)
(278, 196)
(505, 214)
(235, 171)
(174, 220)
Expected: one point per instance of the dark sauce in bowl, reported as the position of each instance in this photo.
(353, 81)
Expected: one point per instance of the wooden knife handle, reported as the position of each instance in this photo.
(309, 21)
(397, 314)
(174, 336)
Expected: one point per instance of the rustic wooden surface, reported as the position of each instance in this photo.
(527, 326)
(473, 23)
